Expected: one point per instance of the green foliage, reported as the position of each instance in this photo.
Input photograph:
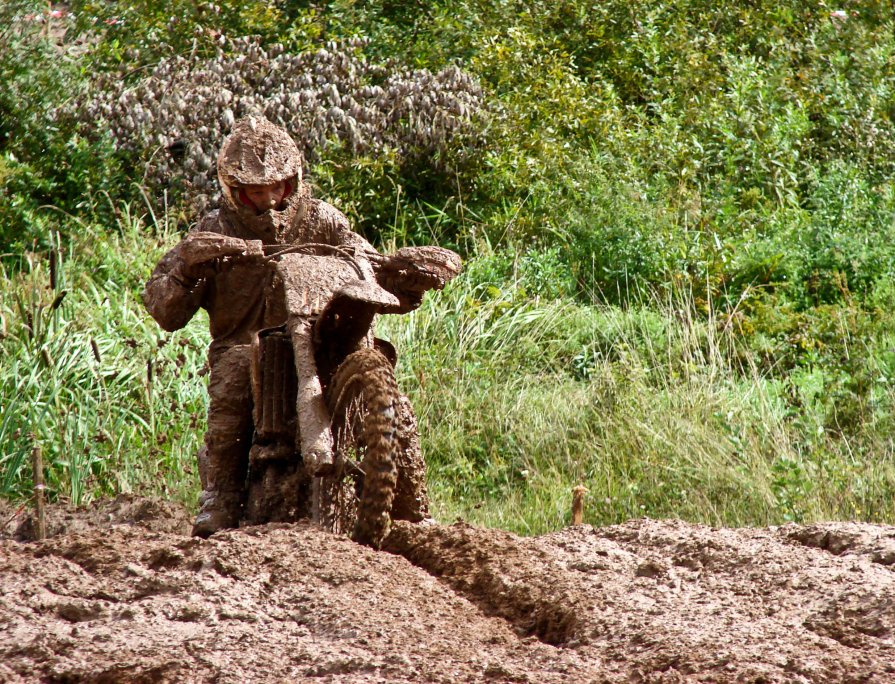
(658, 140)
(45, 161)
(89, 379)
(141, 31)
(681, 214)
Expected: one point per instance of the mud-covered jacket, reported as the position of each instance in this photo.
(233, 293)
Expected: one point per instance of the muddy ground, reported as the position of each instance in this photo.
(120, 593)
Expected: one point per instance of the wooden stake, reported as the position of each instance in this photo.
(53, 269)
(578, 504)
(37, 467)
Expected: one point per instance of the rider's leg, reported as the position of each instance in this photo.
(227, 441)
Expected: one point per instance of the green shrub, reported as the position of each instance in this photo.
(46, 160)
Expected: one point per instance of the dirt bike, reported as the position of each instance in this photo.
(335, 440)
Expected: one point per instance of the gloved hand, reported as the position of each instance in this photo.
(200, 250)
(411, 271)
(405, 279)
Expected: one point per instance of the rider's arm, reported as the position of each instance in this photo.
(171, 296)
(332, 228)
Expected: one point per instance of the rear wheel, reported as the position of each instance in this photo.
(363, 401)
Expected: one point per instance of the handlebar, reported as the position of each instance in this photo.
(269, 253)
(416, 269)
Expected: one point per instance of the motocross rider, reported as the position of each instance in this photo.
(264, 202)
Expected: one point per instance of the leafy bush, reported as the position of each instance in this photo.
(337, 104)
(46, 162)
(140, 32)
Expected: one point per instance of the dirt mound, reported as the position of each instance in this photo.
(128, 597)
(671, 602)
(18, 523)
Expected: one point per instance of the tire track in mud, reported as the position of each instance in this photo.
(494, 571)
(847, 539)
(668, 601)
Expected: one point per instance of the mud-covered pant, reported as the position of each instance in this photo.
(223, 462)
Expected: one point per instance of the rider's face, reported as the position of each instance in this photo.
(266, 197)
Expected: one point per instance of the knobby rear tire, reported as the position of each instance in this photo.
(363, 402)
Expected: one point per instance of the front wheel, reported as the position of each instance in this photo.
(363, 402)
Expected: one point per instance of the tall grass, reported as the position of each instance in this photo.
(657, 411)
(86, 375)
(521, 394)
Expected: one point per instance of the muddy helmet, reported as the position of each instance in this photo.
(257, 152)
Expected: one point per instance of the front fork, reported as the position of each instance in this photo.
(314, 437)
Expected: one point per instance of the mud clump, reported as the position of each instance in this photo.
(848, 539)
(120, 595)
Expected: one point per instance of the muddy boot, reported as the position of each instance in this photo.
(224, 460)
(217, 511)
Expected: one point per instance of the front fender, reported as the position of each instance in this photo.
(346, 322)
(368, 292)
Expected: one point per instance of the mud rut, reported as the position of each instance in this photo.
(119, 593)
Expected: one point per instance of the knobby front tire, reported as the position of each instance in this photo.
(363, 401)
